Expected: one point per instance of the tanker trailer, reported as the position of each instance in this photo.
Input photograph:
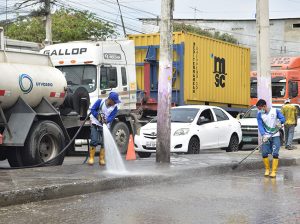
(32, 127)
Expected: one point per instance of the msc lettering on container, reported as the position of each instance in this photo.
(219, 71)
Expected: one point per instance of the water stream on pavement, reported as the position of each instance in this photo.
(114, 162)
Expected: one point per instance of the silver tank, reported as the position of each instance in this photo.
(31, 82)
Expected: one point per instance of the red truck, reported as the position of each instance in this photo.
(285, 73)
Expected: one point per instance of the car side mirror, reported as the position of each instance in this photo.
(202, 120)
(240, 115)
(293, 89)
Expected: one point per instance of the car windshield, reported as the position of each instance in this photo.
(80, 75)
(181, 115)
(252, 113)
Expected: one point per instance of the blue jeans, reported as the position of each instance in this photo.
(271, 147)
(96, 135)
(289, 134)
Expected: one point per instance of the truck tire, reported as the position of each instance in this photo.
(44, 142)
(120, 133)
(14, 157)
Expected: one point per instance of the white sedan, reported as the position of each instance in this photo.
(193, 127)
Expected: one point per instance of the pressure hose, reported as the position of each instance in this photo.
(59, 154)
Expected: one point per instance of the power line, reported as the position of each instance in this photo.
(128, 7)
(101, 18)
(88, 7)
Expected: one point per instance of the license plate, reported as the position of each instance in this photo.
(247, 139)
(151, 144)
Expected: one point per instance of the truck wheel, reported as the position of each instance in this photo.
(144, 154)
(44, 142)
(140, 113)
(121, 134)
(14, 157)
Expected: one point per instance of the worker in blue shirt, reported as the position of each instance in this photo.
(269, 121)
(103, 111)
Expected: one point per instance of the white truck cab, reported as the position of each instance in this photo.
(100, 67)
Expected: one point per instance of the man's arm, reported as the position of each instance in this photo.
(280, 116)
(296, 115)
(112, 115)
(95, 108)
(283, 110)
(260, 124)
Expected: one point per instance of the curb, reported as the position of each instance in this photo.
(56, 191)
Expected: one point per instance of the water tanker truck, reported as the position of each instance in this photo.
(38, 114)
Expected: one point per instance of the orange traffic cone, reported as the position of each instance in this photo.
(130, 151)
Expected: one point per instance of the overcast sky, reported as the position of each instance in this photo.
(222, 8)
(199, 9)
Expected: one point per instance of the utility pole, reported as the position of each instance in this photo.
(5, 27)
(165, 83)
(264, 88)
(124, 31)
(48, 25)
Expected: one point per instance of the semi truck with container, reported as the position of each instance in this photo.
(38, 115)
(205, 71)
(285, 78)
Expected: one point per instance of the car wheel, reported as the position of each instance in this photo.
(194, 146)
(144, 154)
(233, 144)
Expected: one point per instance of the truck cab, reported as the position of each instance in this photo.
(285, 76)
(101, 67)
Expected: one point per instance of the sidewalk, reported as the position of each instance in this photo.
(28, 185)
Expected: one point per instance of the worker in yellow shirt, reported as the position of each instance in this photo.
(290, 113)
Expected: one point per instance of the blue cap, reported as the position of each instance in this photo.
(114, 97)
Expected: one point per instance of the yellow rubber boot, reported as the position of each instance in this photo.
(267, 166)
(274, 167)
(92, 155)
(101, 157)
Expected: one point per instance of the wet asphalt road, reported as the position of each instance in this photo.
(245, 197)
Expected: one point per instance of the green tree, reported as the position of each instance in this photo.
(197, 30)
(67, 25)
